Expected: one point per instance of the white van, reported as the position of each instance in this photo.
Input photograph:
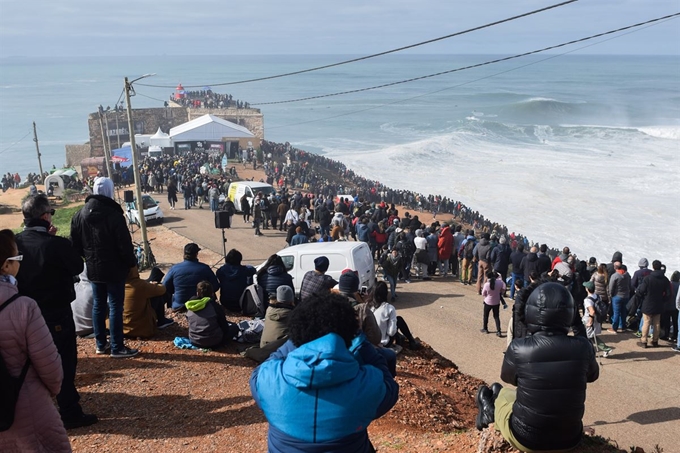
(341, 255)
(250, 189)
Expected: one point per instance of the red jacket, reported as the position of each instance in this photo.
(445, 243)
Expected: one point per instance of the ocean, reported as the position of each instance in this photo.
(573, 150)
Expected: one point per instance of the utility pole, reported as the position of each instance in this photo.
(37, 148)
(135, 167)
(107, 159)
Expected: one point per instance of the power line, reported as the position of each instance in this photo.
(16, 142)
(498, 60)
(465, 83)
(354, 60)
(149, 97)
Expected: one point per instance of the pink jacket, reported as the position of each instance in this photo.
(37, 425)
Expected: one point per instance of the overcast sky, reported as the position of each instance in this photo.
(221, 27)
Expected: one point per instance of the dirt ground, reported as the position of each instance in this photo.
(174, 400)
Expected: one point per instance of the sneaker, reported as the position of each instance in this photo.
(407, 281)
(484, 330)
(78, 422)
(642, 345)
(124, 353)
(655, 344)
(165, 323)
(676, 348)
(611, 331)
(104, 350)
(638, 334)
(499, 334)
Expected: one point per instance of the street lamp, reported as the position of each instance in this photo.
(133, 150)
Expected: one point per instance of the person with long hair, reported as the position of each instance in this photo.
(272, 275)
(492, 291)
(28, 350)
(601, 280)
(390, 324)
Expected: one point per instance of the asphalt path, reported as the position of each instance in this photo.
(636, 400)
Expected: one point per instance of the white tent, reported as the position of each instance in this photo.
(208, 128)
(161, 139)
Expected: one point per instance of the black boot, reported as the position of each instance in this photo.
(495, 390)
(485, 406)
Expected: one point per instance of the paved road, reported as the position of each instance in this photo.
(636, 400)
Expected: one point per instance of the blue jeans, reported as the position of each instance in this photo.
(515, 277)
(214, 204)
(619, 316)
(108, 300)
(393, 284)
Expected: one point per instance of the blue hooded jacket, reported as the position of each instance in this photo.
(321, 398)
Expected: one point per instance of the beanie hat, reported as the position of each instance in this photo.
(103, 186)
(284, 294)
(643, 263)
(348, 282)
(321, 264)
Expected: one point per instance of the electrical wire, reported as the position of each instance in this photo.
(16, 142)
(498, 60)
(149, 97)
(379, 54)
(468, 82)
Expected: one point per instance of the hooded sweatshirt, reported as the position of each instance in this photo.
(204, 327)
(320, 398)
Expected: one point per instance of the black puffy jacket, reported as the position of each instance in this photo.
(653, 292)
(99, 233)
(550, 370)
(274, 277)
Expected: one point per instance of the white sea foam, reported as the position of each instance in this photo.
(597, 194)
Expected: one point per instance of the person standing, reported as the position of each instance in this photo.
(482, 254)
(47, 270)
(653, 291)
(99, 233)
(493, 288)
(214, 196)
(26, 347)
(619, 290)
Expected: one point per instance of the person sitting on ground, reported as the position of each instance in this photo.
(316, 282)
(316, 392)
(182, 278)
(208, 325)
(348, 286)
(492, 291)
(82, 306)
(277, 316)
(139, 317)
(593, 326)
(389, 323)
(272, 275)
(233, 278)
(550, 370)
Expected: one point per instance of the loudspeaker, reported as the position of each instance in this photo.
(222, 219)
(128, 196)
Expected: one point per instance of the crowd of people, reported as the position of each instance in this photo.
(356, 334)
(208, 99)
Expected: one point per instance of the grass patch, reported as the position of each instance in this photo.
(62, 219)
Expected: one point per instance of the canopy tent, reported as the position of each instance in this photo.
(208, 128)
(117, 155)
(161, 139)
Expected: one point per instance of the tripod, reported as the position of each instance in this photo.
(224, 250)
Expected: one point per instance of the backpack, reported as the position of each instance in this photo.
(468, 249)
(10, 386)
(252, 301)
(601, 309)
